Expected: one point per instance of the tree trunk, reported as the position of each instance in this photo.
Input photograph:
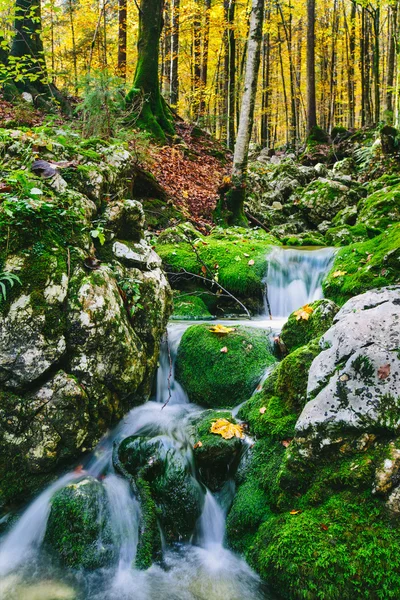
(204, 59)
(174, 89)
(230, 72)
(122, 14)
(311, 99)
(153, 112)
(375, 67)
(266, 89)
(236, 195)
(391, 59)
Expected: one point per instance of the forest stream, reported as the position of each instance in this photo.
(201, 569)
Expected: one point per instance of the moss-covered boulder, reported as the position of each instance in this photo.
(345, 235)
(166, 470)
(380, 209)
(364, 266)
(307, 238)
(216, 458)
(298, 331)
(190, 308)
(235, 257)
(78, 529)
(323, 198)
(222, 370)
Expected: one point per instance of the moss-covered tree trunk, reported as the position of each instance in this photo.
(232, 203)
(154, 114)
(27, 55)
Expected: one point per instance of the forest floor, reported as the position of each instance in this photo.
(190, 172)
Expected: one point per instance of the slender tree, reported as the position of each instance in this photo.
(153, 112)
(235, 196)
(174, 83)
(122, 16)
(311, 96)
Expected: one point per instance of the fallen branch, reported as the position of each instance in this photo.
(255, 221)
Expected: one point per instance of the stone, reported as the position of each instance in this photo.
(362, 345)
(125, 220)
(344, 167)
(388, 474)
(137, 255)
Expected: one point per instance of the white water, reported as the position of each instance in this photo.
(203, 570)
(294, 278)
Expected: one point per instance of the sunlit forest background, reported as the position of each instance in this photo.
(203, 58)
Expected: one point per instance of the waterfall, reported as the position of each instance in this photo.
(294, 278)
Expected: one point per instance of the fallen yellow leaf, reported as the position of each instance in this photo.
(197, 445)
(221, 329)
(295, 512)
(304, 312)
(226, 429)
(339, 273)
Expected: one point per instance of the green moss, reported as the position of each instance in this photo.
(149, 541)
(346, 234)
(225, 255)
(159, 214)
(292, 376)
(380, 209)
(367, 265)
(191, 308)
(216, 458)
(217, 379)
(309, 238)
(78, 525)
(297, 332)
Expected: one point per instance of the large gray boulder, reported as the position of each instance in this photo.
(354, 383)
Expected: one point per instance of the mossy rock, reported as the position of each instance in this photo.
(78, 528)
(175, 492)
(364, 266)
(222, 379)
(322, 199)
(297, 332)
(190, 308)
(216, 458)
(308, 238)
(236, 257)
(380, 209)
(346, 234)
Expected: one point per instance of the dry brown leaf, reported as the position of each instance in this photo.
(197, 445)
(251, 262)
(204, 270)
(384, 371)
(262, 410)
(227, 430)
(224, 350)
(295, 512)
(286, 443)
(304, 312)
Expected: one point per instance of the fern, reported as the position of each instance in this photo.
(9, 279)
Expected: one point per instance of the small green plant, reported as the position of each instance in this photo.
(130, 291)
(98, 234)
(7, 278)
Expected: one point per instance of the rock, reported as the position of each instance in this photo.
(387, 475)
(137, 255)
(27, 97)
(174, 490)
(216, 458)
(323, 198)
(346, 166)
(354, 383)
(78, 529)
(364, 266)
(380, 210)
(321, 170)
(297, 332)
(216, 379)
(346, 234)
(389, 139)
(323, 227)
(347, 216)
(277, 205)
(125, 219)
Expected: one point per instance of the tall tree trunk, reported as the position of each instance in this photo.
(122, 15)
(266, 90)
(236, 195)
(174, 88)
(311, 98)
(393, 8)
(332, 78)
(166, 62)
(230, 72)
(153, 113)
(376, 60)
(350, 61)
(196, 62)
(204, 58)
(74, 53)
(362, 67)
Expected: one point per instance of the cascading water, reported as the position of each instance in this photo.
(200, 570)
(294, 278)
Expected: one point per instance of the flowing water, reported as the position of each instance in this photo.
(294, 278)
(200, 570)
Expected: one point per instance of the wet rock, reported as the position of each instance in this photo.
(222, 379)
(78, 530)
(354, 383)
